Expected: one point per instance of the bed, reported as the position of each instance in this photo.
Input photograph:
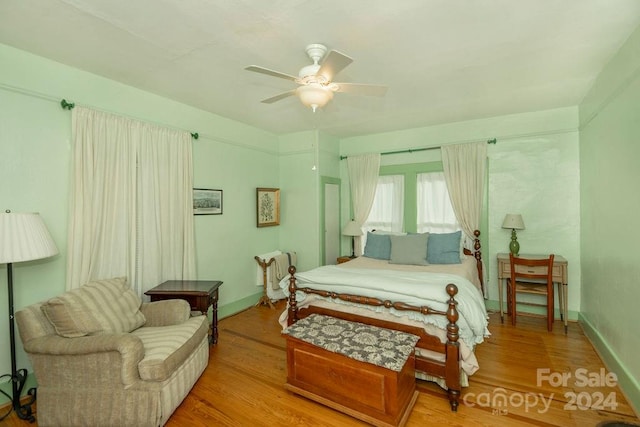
(441, 303)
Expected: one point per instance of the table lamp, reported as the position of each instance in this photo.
(352, 229)
(514, 222)
(23, 237)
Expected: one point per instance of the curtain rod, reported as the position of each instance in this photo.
(70, 105)
(413, 150)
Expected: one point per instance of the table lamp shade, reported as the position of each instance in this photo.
(24, 237)
(513, 221)
(352, 229)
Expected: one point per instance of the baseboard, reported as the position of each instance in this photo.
(238, 306)
(628, 384)
(494, 306)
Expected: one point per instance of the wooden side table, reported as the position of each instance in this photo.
(200, 294)
(345, 258)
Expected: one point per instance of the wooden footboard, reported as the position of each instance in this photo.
(449, 370)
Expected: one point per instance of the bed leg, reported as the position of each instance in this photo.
(454, 398)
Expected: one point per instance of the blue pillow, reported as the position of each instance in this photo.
(444, 248)
(378, 246)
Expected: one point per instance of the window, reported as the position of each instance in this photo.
(387, 212)
(435, 213)
(411, 198)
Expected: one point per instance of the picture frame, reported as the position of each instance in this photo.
(207, 201)
(268, 207)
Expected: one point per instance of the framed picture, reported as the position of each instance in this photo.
(207, 202)
(268, 206)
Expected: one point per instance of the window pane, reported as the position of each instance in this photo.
(435, 213)
(387, 212)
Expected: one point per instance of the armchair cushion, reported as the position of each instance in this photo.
(167, 347)
(110, 303)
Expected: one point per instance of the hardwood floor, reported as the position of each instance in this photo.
(243, 384)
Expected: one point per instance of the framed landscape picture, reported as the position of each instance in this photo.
(207, 202)
(268, 206)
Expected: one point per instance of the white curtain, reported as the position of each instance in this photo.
(131, 211)
(464, 169)
(387, 210)
(363, 179)
(435, 213)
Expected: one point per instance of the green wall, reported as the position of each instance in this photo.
(299, 185)
(35, 150)
(609, 153)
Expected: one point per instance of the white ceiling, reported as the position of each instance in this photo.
(443, 60)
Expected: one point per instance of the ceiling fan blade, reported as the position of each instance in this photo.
(333, 64)
(362, 89)
(278, 97)
(269, 72)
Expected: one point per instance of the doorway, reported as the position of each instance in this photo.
(331, 223)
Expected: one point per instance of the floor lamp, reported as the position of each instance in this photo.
(23, 237)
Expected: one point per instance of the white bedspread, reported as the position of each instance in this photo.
(411, 287)
(468, 268)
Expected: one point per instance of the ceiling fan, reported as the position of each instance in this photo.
(315, 82)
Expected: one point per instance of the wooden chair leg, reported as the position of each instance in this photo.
(513, 308)
(550, 310)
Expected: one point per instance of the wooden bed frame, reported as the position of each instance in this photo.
(449, 370)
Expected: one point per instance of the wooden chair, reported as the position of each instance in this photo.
(534, 277)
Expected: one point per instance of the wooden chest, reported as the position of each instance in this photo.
(377, 395)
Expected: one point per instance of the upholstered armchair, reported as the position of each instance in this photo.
(101, 357)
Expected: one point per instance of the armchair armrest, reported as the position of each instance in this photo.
(53, 355)
(166, 312)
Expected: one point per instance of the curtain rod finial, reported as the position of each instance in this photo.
(67, 105)
(492, 141)
(195, 135)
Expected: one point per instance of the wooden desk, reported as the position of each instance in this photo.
(200, 294)
(560, 274)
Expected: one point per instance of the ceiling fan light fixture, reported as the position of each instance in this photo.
(314, 95)
(316, 86)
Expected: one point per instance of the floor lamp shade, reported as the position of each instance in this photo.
(23, 237)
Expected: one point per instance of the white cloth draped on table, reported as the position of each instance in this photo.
(276, 271)
(259, 271)
(282, 262)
